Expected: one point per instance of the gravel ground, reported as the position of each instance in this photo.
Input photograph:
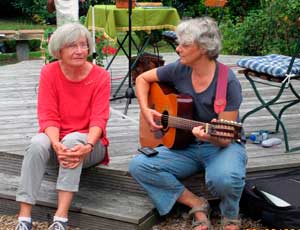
(172, 222)
(10, 222)
(183, 222)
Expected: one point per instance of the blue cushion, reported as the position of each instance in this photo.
(170, 34)
(273, 64)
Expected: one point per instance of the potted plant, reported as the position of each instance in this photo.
(124, 3)
(215, 3)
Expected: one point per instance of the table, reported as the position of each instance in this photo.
(22, 38)
(110, 20)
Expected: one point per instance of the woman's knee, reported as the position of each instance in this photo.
(139, 166)
(228, 183)
(39, 147)
(134, 165)
(73, 139)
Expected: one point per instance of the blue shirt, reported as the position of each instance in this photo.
(179, 76)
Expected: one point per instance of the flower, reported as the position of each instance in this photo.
(109, 50)
(104, 48)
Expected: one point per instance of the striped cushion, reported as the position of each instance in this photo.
(170, 35)
(273, 64)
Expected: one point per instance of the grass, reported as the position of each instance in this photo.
(19, 24)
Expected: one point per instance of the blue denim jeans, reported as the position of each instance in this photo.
(225, 170)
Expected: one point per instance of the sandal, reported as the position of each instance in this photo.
(201, 208)
(226, 221)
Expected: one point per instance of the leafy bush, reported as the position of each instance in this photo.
(271, 29)
(238, 9)
(34, 45)
(47, 35)
(7, 9)
(10, 46)
(33, 9)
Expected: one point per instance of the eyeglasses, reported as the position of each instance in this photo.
(74, 46)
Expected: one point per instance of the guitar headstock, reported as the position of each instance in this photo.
(225, 129)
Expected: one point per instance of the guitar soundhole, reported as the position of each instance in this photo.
(164, 120)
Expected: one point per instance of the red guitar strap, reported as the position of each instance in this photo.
(220, 100)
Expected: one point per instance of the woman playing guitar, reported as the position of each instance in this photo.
(224, 161)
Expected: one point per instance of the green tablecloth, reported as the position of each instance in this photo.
(110, 19)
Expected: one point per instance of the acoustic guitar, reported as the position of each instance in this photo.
(177, 111)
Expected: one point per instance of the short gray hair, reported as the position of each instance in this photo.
(204, 32)
(68, 34)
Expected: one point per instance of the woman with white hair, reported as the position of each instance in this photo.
(73, 110)
(224, 161)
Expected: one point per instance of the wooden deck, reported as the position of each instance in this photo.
(124, 201)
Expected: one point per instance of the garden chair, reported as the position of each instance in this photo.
(278, 71)
(170, 36)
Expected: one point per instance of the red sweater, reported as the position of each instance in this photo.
(74, 106)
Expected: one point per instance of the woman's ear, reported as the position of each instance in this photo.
(202, 50)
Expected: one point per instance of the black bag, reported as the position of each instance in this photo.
(145, 62)
(259, 200)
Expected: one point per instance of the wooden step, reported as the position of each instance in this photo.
(114, 176)
(92, 208)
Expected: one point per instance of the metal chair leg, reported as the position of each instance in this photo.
(267, 105)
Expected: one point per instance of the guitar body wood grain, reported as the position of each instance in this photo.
(165, 100)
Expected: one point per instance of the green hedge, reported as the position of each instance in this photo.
(10, 46)
(249, 27)
(271, 29)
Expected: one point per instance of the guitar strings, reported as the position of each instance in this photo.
(220, 130)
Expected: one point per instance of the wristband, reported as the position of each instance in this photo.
(90, 145)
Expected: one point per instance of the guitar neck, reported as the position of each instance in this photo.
(182, 123)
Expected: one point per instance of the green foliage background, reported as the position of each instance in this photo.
(272, 28)
(249, 27)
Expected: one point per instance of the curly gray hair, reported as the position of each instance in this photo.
(204, 32)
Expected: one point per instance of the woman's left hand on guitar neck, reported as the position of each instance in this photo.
(200, 133)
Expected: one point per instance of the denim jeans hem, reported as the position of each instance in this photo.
(172, 202)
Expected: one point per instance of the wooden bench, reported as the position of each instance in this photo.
(22, 38)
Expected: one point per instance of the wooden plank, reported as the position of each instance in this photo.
(110, 204)
(76, 219)
(105, 178)
(21, 34)
(7, 34)
(265, 163)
